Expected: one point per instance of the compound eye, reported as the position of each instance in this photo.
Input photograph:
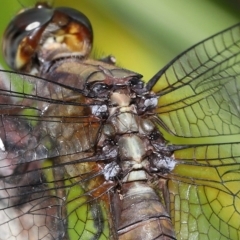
(18, 45)
(40, 32)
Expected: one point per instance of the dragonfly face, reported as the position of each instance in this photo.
(82, 147)
(60, 31)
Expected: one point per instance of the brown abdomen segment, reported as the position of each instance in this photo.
(143, 216)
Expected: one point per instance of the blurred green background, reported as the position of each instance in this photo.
(144, 35)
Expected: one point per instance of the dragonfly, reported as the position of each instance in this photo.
(83, 143)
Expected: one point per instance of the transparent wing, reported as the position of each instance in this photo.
(66, 195)
(199, 90)
(199, 105)
(41, 103)
(204, 192)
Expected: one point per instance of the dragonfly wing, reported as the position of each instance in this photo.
(199, 107)
(67, 194)
(199, 90)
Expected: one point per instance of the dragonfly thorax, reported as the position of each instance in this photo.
(128, 128)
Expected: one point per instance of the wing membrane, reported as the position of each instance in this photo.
(204, 191)
(54, 198)
(46, 109)
(199, 90)
(199, 104)
(66, 194)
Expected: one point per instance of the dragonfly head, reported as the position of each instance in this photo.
(42, 33)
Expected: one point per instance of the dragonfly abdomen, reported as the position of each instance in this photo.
(143, 216)
(141, 154)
